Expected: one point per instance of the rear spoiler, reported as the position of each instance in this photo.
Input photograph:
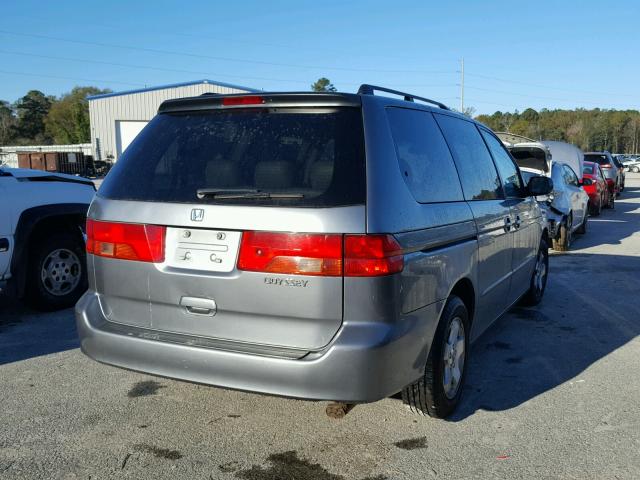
(257, 100)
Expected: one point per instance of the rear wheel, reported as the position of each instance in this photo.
(635, 169)
(595, 210)
(563, 242)
(538, 277)
(582, 229)
(57, 272)
(439, 390)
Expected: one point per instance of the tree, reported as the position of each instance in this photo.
(597, 129)
(323, 85)
(32, 109)
(7, 123)
(68, 118)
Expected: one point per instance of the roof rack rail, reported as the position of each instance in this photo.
(366, 89)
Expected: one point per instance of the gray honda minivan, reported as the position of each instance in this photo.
(324, 246)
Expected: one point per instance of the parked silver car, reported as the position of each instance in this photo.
(323, 246)
(567, 206)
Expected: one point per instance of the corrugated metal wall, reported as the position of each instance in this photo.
(139, 106)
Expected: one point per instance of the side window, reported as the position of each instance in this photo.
(423, 157)
(569, 176)
(506, 167)
(478, 174)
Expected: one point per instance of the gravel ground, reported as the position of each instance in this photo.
(552, 392)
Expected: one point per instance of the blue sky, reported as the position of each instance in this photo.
(563, 54)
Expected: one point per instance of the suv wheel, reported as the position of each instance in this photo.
(57, 272)
(439, 390)
(538, 277)
(563, 243)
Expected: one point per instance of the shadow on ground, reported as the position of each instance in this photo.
(590, 310)
(26, 333)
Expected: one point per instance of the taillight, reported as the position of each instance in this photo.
(319, 254)
(245, 100)
(291, 253)
(126, 241)
(606, 165)
(372, 255)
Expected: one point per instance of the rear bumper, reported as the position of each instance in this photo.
(365, 362)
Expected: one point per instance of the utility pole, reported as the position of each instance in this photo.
(462, 85)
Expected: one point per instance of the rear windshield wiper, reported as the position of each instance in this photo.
(228, 194)
(213, 192)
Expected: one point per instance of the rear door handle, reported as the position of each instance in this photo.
(507, 224)
(516, 224)
(199, 306)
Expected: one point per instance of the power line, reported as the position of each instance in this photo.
(173, 32)
(549, 87)
(70, 78)
(175, 70)
(539, 97)
(225, 59)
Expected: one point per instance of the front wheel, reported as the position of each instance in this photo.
(438, 391)
(57, 272)
(612, 200)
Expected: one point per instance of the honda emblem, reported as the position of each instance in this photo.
(197, 214)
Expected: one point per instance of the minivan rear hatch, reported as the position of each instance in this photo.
(250, 196)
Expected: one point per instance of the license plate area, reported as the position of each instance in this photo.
(207, 250)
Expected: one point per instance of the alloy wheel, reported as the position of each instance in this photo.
(454, 358)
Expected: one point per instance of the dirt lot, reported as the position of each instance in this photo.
(552, 392)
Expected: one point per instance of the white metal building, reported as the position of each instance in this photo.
(116, 118)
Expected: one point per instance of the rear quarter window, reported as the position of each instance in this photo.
(311, 157)
(424, 159)
(478, 174)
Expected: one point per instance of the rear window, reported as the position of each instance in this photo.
(588, 169)
(423, 156)
(601, 159)
(311, 157)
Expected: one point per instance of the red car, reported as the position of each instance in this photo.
(599, 188)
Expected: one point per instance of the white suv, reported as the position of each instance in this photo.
(42, 217)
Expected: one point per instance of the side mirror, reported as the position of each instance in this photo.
(539, 185)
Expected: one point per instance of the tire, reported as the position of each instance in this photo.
(428, 395)
(635, 169)
(582, 229)
(57, 272)
(538, 282)
(596, 211)
(612, 201)
(563, 243)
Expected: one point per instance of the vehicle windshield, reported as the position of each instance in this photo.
(310, 157)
